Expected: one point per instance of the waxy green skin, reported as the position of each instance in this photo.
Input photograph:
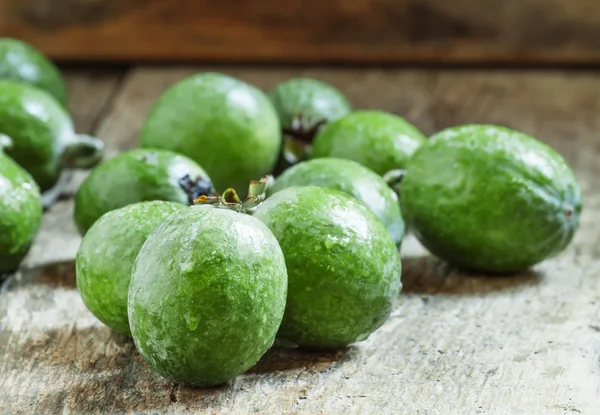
(487, 198)
(133, 176)
(105, 258)
(207, 295)
(22, 62)
(344, 270)
(352, 178)
(20, 213)
(312, 99)
(375, 139)
(226, 125)
(39, 128)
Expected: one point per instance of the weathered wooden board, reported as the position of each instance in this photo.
(309, 30)
(455, 343)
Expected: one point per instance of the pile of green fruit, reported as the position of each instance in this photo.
(205, 280)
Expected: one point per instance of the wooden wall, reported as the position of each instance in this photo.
(383, 31)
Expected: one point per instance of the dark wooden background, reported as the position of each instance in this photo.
(314, 31)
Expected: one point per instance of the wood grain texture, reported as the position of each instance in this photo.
(309, 30)
(455, 343)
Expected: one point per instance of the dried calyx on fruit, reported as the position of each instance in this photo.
(230, 199)
(298, 137)
(201, 186)
(394, 179)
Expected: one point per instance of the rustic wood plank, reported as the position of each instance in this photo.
(309, 30)
(455, 343)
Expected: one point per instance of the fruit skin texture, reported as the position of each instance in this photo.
(344, 271)
(490, 199)
(20, 213)
(40, 132)
(106, 256)
(352, 178)
(22, 62)
(207, 295)
(314, 100)
(226, 125)
(133, 176)
(376, 139)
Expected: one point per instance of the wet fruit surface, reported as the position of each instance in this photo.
(20, 213)
(352, 178)
(42, 139)
(207, 295)
(106, 256)
(134, 176)
(20, 61)
(491, 199)
(226, 125)
(377, 140)
(343, 266)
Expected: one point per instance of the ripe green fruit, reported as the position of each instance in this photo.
(22, 62)
(352, 178)
(136, 176)
(490, 199)
(375, 139)
(207, 295)
(38, 134)
(343, 266)
(20, 213)
(106, 256)
(226, 125)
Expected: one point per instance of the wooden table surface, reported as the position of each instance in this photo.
(454, 344)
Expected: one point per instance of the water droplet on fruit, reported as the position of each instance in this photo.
(191, 321)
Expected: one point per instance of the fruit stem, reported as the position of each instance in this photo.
(83, 152)
(230, 199)
(394, 179)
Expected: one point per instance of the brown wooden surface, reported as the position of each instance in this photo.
(455, 343)
(309, 30)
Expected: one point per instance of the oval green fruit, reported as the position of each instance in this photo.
(226, 125)
(105, 258)
(20, 61)
(490, 199)
(38, 134)
(207, 295)
(352, 178)
(304, 106)
(138, 175)
(20, 213)
(375, 139)
(344, 270)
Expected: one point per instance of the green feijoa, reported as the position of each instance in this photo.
(304, 105)
(352, 178)
(344, 270)
(38, 134)
(106, 256)
(491, 199)
(376, 139)
(20, 61)
(226, 125)
(138, 175)
(207, 295)
(20, 213)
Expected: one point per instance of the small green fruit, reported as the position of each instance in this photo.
(38, 134)
(304, 105)
(226, 125)
(138, 175)
(375, 139)
(343, 266)
(207, 295)
(106, 256)
(22, 62)
(352, 178)
(20, 213)
(490, 199)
